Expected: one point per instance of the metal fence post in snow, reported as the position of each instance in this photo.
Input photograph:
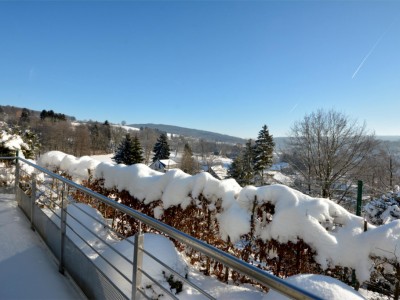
(16, 172)
(359, 197)
(63, 228)
(355, 282)
(137, 263)
(33, 199)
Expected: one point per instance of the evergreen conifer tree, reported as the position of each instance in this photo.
(188, 164)
(235, 170)
(32, 140)
(161, 148)
(248, 164)
(263, 152)
(129, 152)
(241, 168)
(25, 117)
(137, 151)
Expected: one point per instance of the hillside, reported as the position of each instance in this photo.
(11, 112)
(15, 112)
(195, 133)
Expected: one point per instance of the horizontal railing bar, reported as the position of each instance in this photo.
(102, 223)
(227, 259)
(98, 237)
(176, 273)
(99, 254)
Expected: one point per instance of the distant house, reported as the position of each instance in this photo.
(219, 171)
(273, 177)
(164, 165)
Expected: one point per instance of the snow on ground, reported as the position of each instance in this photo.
(278, 177)
(27, 271)
(226, 162)
(323, 286)
(127, 128)
(89, 223)
(279, 166)
(157, 245)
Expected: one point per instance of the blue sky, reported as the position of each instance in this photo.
(224, 66)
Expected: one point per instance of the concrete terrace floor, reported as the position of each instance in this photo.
(27, 268)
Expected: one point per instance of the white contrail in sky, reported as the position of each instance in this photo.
(372, 50)
(366, 56)
(293, 108)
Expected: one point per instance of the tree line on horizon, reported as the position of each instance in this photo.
(326, 150)
(56, 131)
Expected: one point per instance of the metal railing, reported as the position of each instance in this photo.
(47, 203)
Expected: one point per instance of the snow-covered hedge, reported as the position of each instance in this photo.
(255, 224)
(12, 142)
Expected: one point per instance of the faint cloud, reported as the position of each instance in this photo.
(31, 74)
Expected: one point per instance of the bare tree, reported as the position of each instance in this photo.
(148, 137)
(327, 147)
(117, 135)
(56, 136)
(383, 167)
(81, 140)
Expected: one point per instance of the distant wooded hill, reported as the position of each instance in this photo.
(15, 112)
(194, 133)
(280, 142)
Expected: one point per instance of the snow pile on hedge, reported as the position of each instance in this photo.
(323, 286)
(335, 234)
(78, 168)
(12, 142)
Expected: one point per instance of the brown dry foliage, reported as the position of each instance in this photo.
(197, 220)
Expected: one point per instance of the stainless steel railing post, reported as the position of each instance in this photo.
(63, 227)
(16, 173)
(137, 263)
(33, 199)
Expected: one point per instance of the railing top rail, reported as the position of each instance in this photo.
(7, 158)
(227, 259)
